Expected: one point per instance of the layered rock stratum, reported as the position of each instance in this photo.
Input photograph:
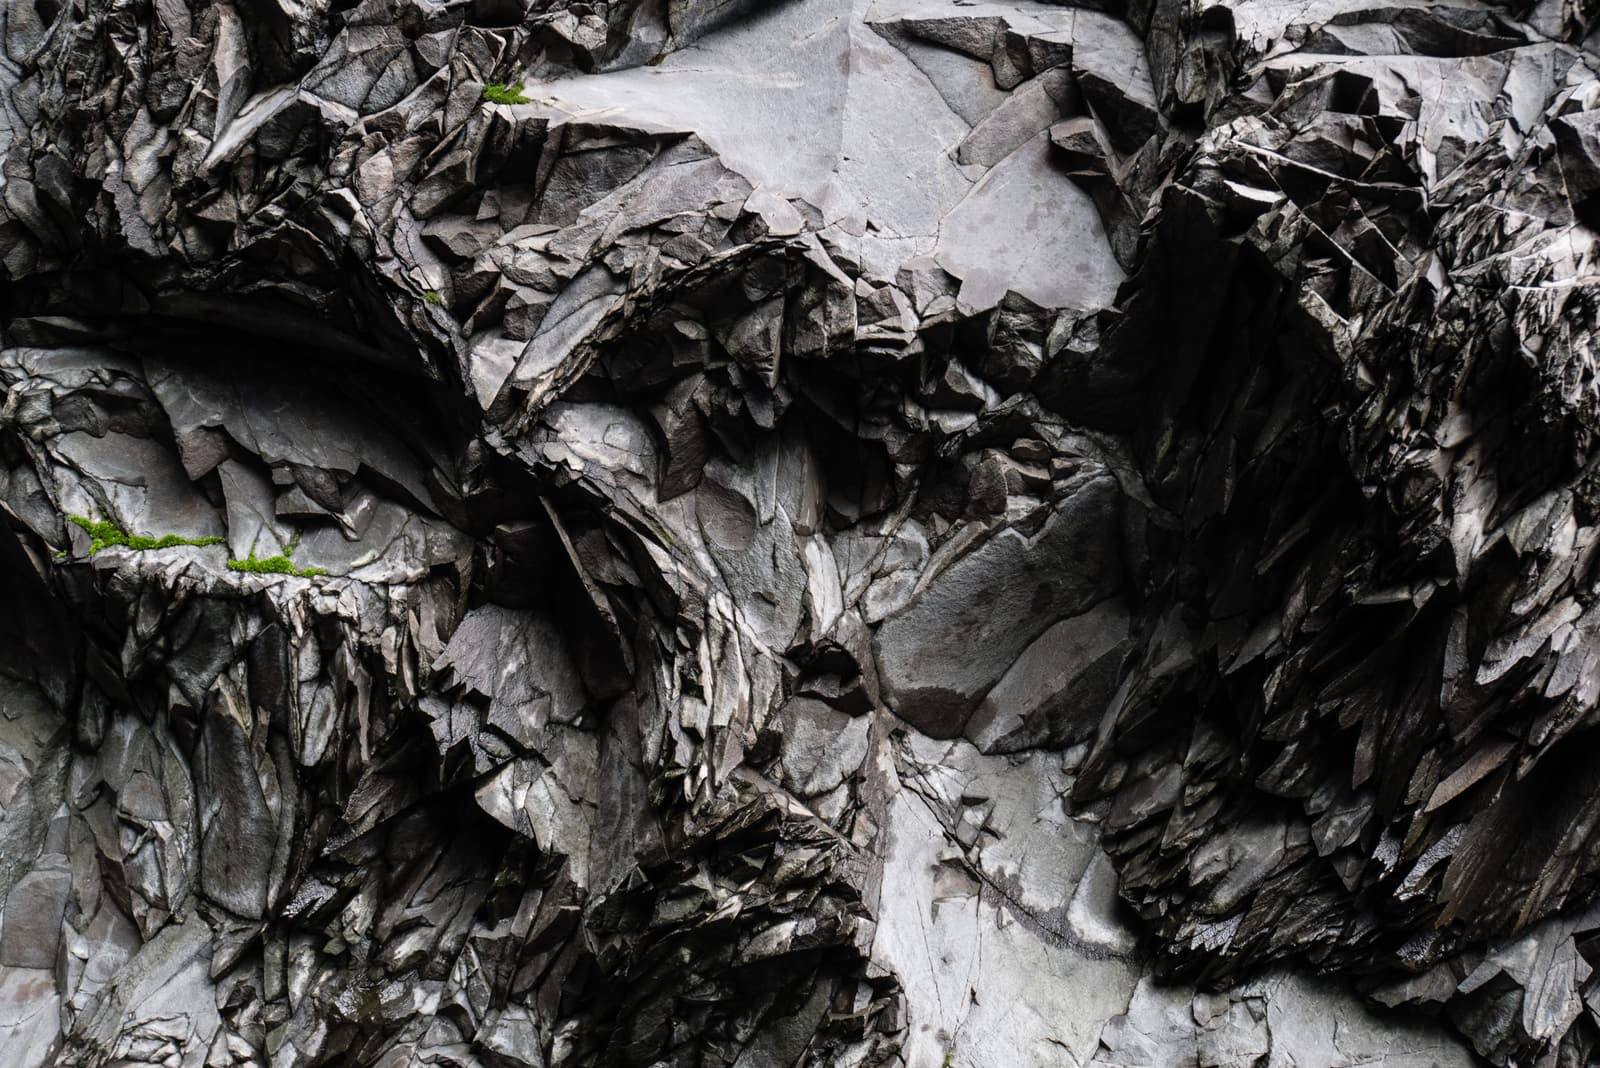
(710, 533)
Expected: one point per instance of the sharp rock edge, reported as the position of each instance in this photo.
(824, 532)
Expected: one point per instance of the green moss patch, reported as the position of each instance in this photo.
(105, 534)
(273, 565)
(498, 93)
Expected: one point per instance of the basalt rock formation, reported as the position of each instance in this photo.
(809, 533)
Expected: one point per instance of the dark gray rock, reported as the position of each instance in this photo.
(817, 533)
(971, 620)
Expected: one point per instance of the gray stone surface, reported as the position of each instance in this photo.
(852, 533)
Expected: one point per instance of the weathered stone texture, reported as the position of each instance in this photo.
(827, 532)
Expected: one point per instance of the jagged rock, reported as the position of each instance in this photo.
(974, 617)
(838, 532)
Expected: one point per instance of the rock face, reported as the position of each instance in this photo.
(827, 533)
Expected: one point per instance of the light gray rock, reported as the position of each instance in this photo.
(822, 747)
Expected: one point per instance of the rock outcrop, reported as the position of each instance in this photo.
(827, 532)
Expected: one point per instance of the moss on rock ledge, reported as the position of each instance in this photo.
(273, 565)
(498, 93)
(106, 535)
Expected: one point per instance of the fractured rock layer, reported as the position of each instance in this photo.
(839, 532)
